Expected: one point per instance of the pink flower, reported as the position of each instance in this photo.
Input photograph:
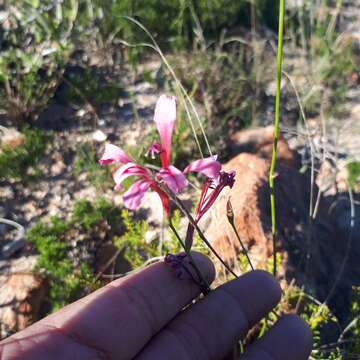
(207, 199)
(209, 167)
(132, 198)
(165, 115)
(173, 178)
(130, 169)
(217, 185)
(114, 154)
(164, 118)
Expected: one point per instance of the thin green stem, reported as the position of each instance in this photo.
(276, 130)
(242, 245)
(231, 219)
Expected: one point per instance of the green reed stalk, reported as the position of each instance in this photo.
(276, 130)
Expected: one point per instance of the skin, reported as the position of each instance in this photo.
(142, 316)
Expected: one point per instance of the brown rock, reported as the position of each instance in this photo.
(312, 255)
(250, 198)
(11, 138)
(259, 141)
(21, 296)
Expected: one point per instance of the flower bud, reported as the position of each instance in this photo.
(229, 211)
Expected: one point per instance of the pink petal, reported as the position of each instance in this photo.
(129, 169)
(132, 198)
(164, 117)
(113, 154)
(173, 178)
(208, 167)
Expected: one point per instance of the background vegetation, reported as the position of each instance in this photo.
(75, 54)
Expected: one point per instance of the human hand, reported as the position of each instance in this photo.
(142, 316)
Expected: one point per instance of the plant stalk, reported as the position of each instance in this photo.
(242, 246)
(231, 219)
(276, 131)
(183, 209)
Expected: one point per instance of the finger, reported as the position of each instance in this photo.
(211, 327)
(119, 319)
(290, 338)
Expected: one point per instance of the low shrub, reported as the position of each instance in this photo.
(36, 46)
(70, 278)
(136, 250)
(66, 283)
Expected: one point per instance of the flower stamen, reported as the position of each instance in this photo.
(154, 149)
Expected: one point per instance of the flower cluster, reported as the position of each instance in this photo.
(210, 190)
(175, 179)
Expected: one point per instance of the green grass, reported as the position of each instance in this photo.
(222, 79)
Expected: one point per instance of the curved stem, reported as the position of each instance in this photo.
(16, 225)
